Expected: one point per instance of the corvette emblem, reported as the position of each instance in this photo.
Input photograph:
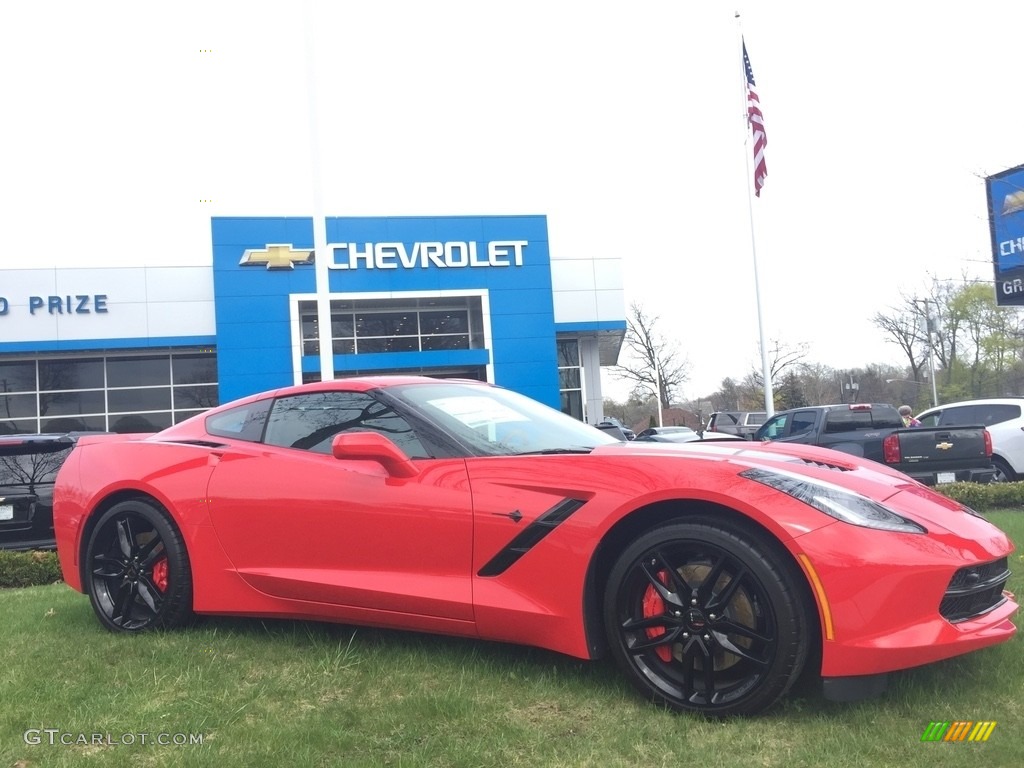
(276, 257)
(943, 446)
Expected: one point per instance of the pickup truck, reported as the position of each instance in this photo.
(931, 455)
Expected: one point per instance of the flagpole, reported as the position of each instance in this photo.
(769, 394)
(320, 254)
(657, 392)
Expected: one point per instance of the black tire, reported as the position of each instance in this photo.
(1004, 473)
(702, 618)
(136, 570)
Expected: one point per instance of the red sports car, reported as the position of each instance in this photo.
(712, 572)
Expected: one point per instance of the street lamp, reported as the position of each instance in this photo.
(929, 325)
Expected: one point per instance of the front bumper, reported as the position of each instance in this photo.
(886, 594)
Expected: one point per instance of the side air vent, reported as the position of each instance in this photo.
(530, 537)
(824, 465)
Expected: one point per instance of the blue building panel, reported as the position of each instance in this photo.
(538, 380)
(259, 333)
(505, 256)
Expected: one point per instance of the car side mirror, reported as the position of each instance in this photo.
(372, 446)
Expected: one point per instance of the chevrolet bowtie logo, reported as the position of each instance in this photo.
(276, 257)
(943, 446)
(1013, 203)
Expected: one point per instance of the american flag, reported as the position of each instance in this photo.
(756, 120)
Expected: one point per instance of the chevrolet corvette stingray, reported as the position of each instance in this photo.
(713, 573)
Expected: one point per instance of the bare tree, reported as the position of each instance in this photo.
(782, 358)
(650, 352)
(818, 382)
(903, 326)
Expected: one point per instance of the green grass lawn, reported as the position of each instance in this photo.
(283, 693)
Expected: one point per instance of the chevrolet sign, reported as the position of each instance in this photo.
(499, 253)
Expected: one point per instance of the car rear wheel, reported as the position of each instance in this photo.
(1004, 473)
(137, 571)
(701, 619)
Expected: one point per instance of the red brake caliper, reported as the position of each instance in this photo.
(654, 606)
(160, 574)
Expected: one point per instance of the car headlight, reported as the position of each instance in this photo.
(834, 501)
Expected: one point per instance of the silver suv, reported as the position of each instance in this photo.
(742, 423)
(1004, 419)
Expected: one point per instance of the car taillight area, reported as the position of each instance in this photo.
(975, 590)
(891, 449)
(988, 442)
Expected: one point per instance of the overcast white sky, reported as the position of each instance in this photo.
(621, 122)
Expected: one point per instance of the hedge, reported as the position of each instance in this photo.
(980, 497)
(26, 569)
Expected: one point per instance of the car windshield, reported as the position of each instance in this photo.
(498, 422)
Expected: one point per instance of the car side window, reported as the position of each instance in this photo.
(931, 419)
(802, 421)
(310, 422)
(959, 416)
(245, 422)
(843, 420)
(774, 428)
(997, 413)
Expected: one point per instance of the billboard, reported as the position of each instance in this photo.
(1005, 192)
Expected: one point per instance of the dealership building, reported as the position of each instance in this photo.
(130, 349)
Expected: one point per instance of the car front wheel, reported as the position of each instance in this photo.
(701, 618)
(136, 569)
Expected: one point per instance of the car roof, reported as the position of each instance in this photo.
(351, 383)
(1008, 400)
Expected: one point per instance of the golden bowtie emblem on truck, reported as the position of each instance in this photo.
(276, 257)
(943, 446)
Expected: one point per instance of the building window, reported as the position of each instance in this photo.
(385, 325)
(570, 378)
(140, 392)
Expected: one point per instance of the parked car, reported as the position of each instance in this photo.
(742, 423)
(611, 421)
(713, 575)
(681, 435)
(930, 455)
(1003, 418)
(664, 432)
(28, 467)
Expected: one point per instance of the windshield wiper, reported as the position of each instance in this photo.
(551, 451)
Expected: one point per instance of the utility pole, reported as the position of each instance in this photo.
(930, 325)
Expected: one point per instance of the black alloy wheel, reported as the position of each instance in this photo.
(137, 572)
(701, 619)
